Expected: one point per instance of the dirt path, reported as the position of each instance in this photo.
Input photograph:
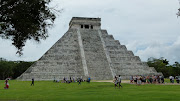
(123, 81)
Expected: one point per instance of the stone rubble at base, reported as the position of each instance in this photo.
(87, 50)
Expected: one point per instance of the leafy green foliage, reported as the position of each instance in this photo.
(21, 20)
(162, 65)
(12, 69)
(178, 14)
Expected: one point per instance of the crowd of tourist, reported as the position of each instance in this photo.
(72, 79)
(154, 79)
(147, 79)
(117, 81)
(172, 78)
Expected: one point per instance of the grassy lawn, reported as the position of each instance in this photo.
(95, 91)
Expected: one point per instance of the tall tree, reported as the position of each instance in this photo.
(162, 65)
(22, 20)
(178, 14)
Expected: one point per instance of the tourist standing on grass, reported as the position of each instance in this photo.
(119, 81)
(32, 82)
(151, 79)
(115, 81)
(147, 78)
(154, 79)
(135, 79)
(6, 84)
(70, 79)
(170, 78)
(64, 80)
(177, 78)
(158, 79)
(79, 81)
(162, 79)
(73, 79)
(139, 80)
(144, 79)
(131, 79)
(89, 79)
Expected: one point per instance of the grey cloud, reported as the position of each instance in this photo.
(157, 50)
(135, 23)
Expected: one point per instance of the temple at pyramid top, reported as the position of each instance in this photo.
(86, 50)
(85, 23)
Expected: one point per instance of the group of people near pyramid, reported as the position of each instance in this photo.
(72, 79)
(154, 79)
(138, 79)
(171, 78)
(117, 81)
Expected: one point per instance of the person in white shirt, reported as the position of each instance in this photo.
(170, 78)
(119, 81)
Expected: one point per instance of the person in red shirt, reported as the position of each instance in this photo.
(6, 84)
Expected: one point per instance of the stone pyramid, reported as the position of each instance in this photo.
(87, 50)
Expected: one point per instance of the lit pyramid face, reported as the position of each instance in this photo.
(88, 51)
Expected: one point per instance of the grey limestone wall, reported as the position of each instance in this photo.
(123, 61)
(86, 50)
(96, 60)
(61, 60)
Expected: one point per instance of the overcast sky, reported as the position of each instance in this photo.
(150, 28)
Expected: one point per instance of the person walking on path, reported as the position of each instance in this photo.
(115, 81)
(131, 79)
(119, 81)
(32, 82)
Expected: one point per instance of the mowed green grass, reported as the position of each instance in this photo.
(95, 91)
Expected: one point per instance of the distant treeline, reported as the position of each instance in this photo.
(162, 65)
(12, 69)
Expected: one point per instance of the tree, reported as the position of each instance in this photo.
(22, 20)
(13, 69)
(162, 65)
(165, 62)
(176, 64)
(20, 68)
(178, 14)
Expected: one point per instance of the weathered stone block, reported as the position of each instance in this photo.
(86, 50)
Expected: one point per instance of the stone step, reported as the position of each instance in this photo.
(138, 71)
(123, 59)
(95, 55)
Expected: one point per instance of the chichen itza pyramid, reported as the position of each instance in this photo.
(87, 50)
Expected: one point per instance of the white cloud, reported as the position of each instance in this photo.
(146, 27)
(157, 50)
